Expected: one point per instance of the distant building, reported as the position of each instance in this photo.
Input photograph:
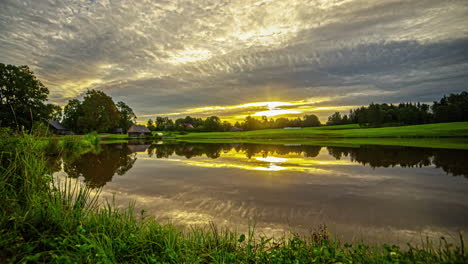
(236, 129)
(139, 131)
(58, 128)
(188, 125)
(292, 128)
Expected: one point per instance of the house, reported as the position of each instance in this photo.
(58, 128)
(139, 131)
(236, 129)
(188, 125)
(292, 128)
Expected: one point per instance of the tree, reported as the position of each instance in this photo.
(55, 112)
(71, 113)
(150, 125)
(99, 112)
(334, 119)
(22, 97)
(213, 123)
(226, 126)
(127, 117)
(453, 108)
(310, 121)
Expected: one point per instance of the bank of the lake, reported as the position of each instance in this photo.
(441, 130)
(43, 221)
(443, 135)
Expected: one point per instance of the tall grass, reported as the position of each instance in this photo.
(43, 220)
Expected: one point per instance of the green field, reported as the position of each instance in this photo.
(459, 129)
(444, 135)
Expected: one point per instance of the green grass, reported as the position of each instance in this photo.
(445, 135)
(46, 221)
(459, 129)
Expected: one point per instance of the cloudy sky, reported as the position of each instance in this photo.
(235, 58)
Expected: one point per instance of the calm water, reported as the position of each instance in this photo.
(381, 194)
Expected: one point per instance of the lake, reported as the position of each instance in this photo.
(375, 193)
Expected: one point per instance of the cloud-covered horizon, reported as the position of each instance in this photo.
(207, 57)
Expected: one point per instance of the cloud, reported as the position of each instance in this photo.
(173, 56)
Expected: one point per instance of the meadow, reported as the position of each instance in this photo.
(442, 135)
(440, 130)
(46, 221)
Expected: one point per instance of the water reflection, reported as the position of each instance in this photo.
(372, 189)
(98, 168)
(116, 159)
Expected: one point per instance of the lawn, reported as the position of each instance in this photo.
(458, 129)
(444, 135)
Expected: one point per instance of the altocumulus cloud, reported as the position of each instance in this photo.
(179, 57)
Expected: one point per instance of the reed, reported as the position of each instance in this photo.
(47, 220)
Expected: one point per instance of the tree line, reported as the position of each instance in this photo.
(97, 112)
(452, 108)
(214, 123)
(23, 104)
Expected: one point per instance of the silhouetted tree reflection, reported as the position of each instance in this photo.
(451, 161)
(214, 151)
(98, 169)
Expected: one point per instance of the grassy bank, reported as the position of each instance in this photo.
(443, 130)
(445, 135)
(442, 143)
(43, 221)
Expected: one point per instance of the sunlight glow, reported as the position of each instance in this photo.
(271, 159)
(273, 162)
(275, 113)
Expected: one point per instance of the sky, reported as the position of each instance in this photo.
(237, 58)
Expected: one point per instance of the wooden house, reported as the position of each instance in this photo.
(58, 128)
(139, 131)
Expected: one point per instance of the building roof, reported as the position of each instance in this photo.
(139, 129)
(56, 125)
(236, 129)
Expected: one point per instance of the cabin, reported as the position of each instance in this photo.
(139, 131)
(58, 128)
(236, 129)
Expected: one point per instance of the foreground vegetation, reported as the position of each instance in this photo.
(43, 220)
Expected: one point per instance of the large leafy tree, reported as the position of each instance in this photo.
(99, 113)
(311, 121)
(71, 114)
(55, 112)
(127, 116)
(22, 97)
(453, 108)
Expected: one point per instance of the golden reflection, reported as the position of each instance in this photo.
(271, 163)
